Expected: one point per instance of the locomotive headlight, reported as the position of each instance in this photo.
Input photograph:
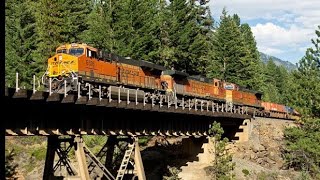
(60, 58)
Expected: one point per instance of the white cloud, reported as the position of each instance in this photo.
(273, 35)
(269, 50)
(279, 25)
(303, 49)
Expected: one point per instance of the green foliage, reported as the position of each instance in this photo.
(306, 88)
(56, 22)
(99, 32)
(94, 143)
(10, 167)
(39, 153)
(276, 83)
(303, 148)
(222, 166)
(19, 42)
(245, 172)
(234, 57)
(143, 141)
(173, 174)
(187, 34)
(216, 130)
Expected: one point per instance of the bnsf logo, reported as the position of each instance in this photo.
(129, 72)
(62, 62)
(90, 63)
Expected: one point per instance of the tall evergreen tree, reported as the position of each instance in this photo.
(222, 166)
(252, 65)
(308, 78)
(235, 57)
(75, 18)
(100, 31)
(228, 51)
(145, 40)
(302, 148)
(166, 49)
(270, 89)
(110, 26)
(186, 36)
(202, 44)
(20, 42)
(57, 22)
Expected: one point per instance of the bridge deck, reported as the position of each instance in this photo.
(38, 113)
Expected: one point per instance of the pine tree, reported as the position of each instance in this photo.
(228, 51)
(165, 51)
(57, 22)
(77, 11)
(202, 43)
(252, 69)
(110, 26)
(50, 29)
(234, 57)
(270, 89)
(20, 42)
(99, 22)
(302, 148)
(308, 79)
(145, 40)
(222, 165)
(187, 36)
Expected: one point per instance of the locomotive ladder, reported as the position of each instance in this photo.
(96, 161)
(125, 162)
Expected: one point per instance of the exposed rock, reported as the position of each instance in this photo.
(268, 160)
(263, 150)
(257, 147)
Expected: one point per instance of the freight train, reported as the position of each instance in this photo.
(82, 68)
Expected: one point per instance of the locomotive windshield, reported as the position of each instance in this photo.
(76, 51)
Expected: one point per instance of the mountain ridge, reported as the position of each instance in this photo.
(279, 62)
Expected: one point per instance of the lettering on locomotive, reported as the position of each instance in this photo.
(62, 62)
(90, 64)
(129, 72)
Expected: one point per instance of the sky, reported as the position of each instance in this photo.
(282, 28)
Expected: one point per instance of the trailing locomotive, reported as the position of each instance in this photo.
(82, 68)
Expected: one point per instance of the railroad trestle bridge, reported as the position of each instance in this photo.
(123, 118)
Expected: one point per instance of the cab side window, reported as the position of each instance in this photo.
(91, 54)
(94, 54)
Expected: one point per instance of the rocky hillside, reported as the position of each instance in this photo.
(261, 156)
(288, 65)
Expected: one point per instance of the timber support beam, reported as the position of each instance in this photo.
(90, 165)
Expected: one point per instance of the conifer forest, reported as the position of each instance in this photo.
(177, 34)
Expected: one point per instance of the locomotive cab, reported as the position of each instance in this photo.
(67, 57)
(67, 63)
